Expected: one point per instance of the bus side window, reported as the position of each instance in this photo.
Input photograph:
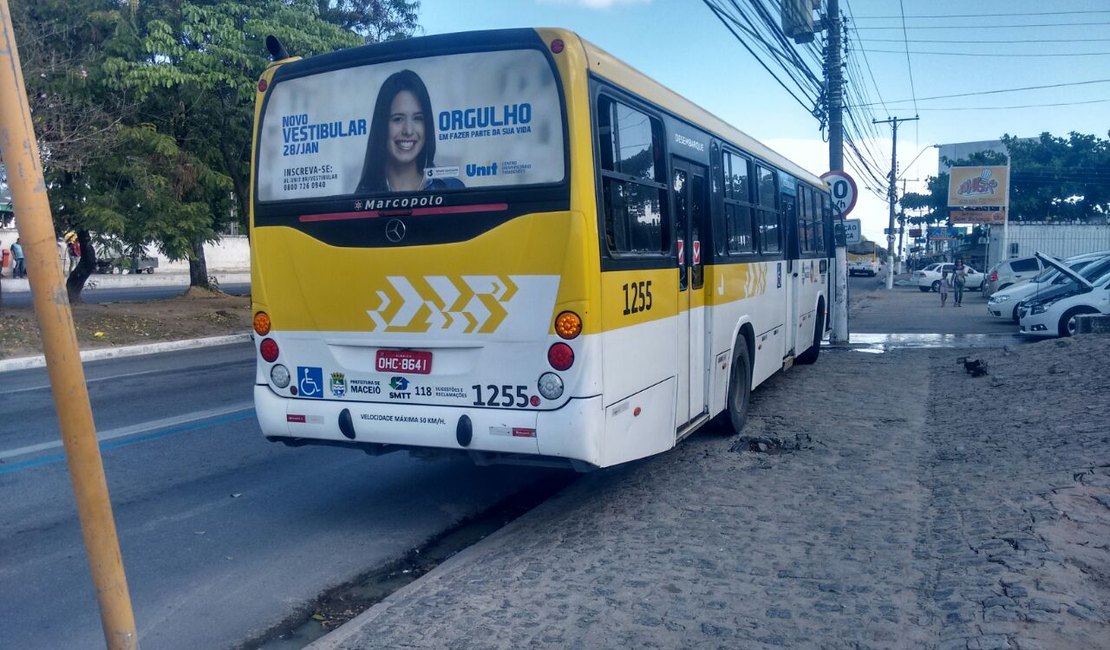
(738, 203)
(768, 215)
(632, 194)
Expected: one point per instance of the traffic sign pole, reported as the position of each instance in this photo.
(843, 193)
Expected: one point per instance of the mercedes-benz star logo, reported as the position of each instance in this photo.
(395, 230)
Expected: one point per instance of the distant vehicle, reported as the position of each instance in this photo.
(1004, 303)
(863, 259)
(1056, 312)
(1010, 272)
(928, 278)
(114, 258)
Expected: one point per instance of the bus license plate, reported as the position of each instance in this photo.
(416, 362)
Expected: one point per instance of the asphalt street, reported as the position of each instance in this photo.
(223, 534)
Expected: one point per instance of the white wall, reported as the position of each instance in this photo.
(232, 253)
(1058, 240)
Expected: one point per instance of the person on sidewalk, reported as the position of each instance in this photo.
(942, 288)
(18, 268)
(959, 278)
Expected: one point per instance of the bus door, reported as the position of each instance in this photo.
(691, 212)
(794, 270)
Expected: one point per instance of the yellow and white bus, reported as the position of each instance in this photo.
(511, 244)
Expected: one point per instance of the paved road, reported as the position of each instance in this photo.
(223, 534)
(879, 522)
(151, 290)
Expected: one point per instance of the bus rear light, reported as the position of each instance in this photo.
(262, 323)
(279, 374)
(262, 85)
(568, 325)
(550, 386)
(269, 350)
(560, 356)
(557, 46)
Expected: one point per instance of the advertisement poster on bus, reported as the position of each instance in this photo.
(475, 120)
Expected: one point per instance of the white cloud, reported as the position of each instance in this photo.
(595, 4)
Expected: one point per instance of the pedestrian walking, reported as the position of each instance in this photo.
(18, 268)
(942, 288)
(959, 278)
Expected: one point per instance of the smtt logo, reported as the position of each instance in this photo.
(399, 383)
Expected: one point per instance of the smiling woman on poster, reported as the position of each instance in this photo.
(402, 142)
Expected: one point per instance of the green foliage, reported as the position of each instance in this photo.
(144, 111)
(1052, 179)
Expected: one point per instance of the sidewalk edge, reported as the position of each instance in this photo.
(24, 363)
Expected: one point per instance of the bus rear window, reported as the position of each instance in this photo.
(476, 120)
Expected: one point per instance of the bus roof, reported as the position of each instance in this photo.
(606, 65)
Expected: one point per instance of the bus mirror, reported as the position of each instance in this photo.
(275, 48)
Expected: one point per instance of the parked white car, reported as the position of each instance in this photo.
(928, 278)
(1055, 312)
(1004, 302)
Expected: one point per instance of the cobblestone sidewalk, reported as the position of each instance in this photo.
(858, 512)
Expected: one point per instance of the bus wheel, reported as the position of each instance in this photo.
(810, 355)
(739, 386)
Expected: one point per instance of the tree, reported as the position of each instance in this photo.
(375, 20)
(1052, 179)
(61, 44)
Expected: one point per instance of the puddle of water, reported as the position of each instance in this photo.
(879, 343)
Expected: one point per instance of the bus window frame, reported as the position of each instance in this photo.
(618, 260)
(749, 205)
(775, 211)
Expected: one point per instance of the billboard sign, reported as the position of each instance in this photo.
(978, 186)
(475, 120)
(985, 216)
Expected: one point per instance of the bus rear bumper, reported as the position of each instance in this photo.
(562, 433)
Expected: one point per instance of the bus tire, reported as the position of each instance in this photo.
(810, 355)
(739, 386)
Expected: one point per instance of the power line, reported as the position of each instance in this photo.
(1008, 56)
(980, 41)
(909, 66)
(1008, 15)
(980, 27)
(1005, 90)
(1005, 108)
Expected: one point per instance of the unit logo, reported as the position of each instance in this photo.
(338, 384)
(481, 170)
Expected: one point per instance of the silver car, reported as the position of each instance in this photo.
(1004, 303)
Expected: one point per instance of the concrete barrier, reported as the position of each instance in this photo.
(1092, 324)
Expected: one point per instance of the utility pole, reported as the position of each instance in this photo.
(59, 340)
(835, 78)
(892, 194)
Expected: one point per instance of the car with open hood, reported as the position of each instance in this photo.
(1005, 302)
(1056, 312)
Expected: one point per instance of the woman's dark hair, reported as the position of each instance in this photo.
(373, 167)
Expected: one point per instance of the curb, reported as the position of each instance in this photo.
(24, 363)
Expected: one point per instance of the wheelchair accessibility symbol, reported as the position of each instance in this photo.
(310, 382)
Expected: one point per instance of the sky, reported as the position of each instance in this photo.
(988, 49)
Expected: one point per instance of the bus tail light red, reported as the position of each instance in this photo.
(560, 356)
(269, 350)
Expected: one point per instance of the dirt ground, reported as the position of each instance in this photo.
(194, 314)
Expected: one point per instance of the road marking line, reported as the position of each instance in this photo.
(135, 429)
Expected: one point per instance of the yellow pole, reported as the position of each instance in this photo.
(67, 377)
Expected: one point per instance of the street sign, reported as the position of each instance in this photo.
(852, 231)
(844, 192)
